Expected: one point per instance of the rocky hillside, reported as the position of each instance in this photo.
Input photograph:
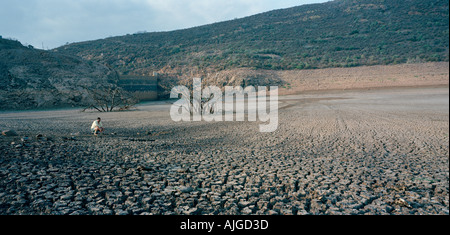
(34, 79)
(340, 33)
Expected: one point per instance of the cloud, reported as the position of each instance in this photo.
(55, 22)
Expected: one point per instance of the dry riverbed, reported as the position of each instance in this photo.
(380, 151)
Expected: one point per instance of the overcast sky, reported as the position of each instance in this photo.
(53, 23)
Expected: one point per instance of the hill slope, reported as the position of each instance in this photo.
(31, 78)
(341, 33)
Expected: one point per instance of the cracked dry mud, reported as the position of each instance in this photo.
(349, 152)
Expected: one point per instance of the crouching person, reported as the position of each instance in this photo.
(97, 126)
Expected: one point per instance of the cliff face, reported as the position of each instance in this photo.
(34, 79)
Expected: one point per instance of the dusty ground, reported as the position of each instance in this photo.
(362, 77)
(349, 152)
(380, 76)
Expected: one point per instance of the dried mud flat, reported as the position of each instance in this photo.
(351, 152)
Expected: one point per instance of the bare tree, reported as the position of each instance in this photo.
(109, 98)
(198, 101)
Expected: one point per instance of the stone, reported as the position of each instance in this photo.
(185, 189)
(246, 211)
(9, 133)
(272, 212)
(191, 211)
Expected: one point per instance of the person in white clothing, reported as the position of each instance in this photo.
(97, 126)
